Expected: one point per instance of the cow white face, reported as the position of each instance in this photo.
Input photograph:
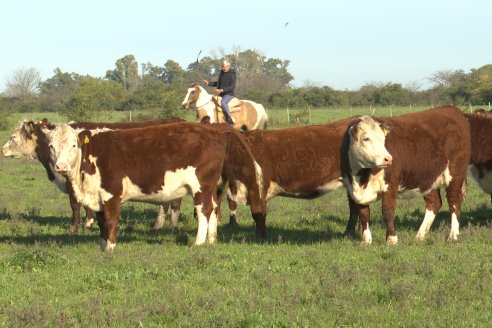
(367, 149)
(64, 148)
(22, 142)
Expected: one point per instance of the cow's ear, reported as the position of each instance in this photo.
(386, 127)
(84, 137)
(27, 129)
(43, 121)
(354, 129)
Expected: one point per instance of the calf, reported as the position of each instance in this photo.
(155, 164)
(429, 149)
(27, 140)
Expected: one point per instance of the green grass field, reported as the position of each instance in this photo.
(305, 275)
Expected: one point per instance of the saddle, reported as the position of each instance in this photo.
(234, 104)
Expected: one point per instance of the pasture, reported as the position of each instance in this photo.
(306, 274)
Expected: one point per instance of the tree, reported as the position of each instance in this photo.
(482, 84)
(161, 99)
(93, 96)
(56, 91)
(173, 73)
(23, 83)
(126, 73)
(454, 86)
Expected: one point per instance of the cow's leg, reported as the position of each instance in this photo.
(212, 221)
(454, 194)
(388, 205)
(232, 210)
(354, 210)
(260, 221)
(89, 217)
(103, 230)
(258, 211)
(364, 213)
(111, 219)
(75, 207)
(161, 216)
(433, 203)
(220, 194)
(201, 235)
(175, 210)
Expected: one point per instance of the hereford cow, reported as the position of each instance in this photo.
(299, 162)
(429, 149)
(155, 164)
(27, 140)
(481, 150)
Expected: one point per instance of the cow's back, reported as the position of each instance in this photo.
(424, 144)
(300, 159)
(143, 154)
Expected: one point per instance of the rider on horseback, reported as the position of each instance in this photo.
(225, 88)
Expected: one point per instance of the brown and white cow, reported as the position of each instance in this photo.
(155, 164)
(27, 140)
(429, 149)
(299, 162)
(481, 150)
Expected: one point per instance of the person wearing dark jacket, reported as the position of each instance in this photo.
(225, 88)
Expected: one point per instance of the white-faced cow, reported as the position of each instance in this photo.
(299, 162)
(27, 140)
(429, 149)
(155, 164)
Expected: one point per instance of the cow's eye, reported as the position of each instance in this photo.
(366, 139)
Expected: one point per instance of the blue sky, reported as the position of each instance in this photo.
(340, 43)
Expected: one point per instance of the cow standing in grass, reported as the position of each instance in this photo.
(155, 164)
(481, 150)
(428, 149)
(27, 140)
(299, 162)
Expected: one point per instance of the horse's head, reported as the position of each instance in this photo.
(192, 95)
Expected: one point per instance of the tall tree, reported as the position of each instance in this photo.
(173, 72)
(126, 73)
(23, 83)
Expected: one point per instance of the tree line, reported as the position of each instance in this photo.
(159, 90)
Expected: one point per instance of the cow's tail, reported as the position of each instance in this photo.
(240, 164)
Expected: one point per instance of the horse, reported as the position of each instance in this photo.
(247, 114)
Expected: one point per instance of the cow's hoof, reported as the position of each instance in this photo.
(106, 246)
(392, 240)
(366, 237)
(89, 223)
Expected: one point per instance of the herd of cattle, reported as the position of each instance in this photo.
(101, 165)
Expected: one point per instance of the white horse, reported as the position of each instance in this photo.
(247, 114)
